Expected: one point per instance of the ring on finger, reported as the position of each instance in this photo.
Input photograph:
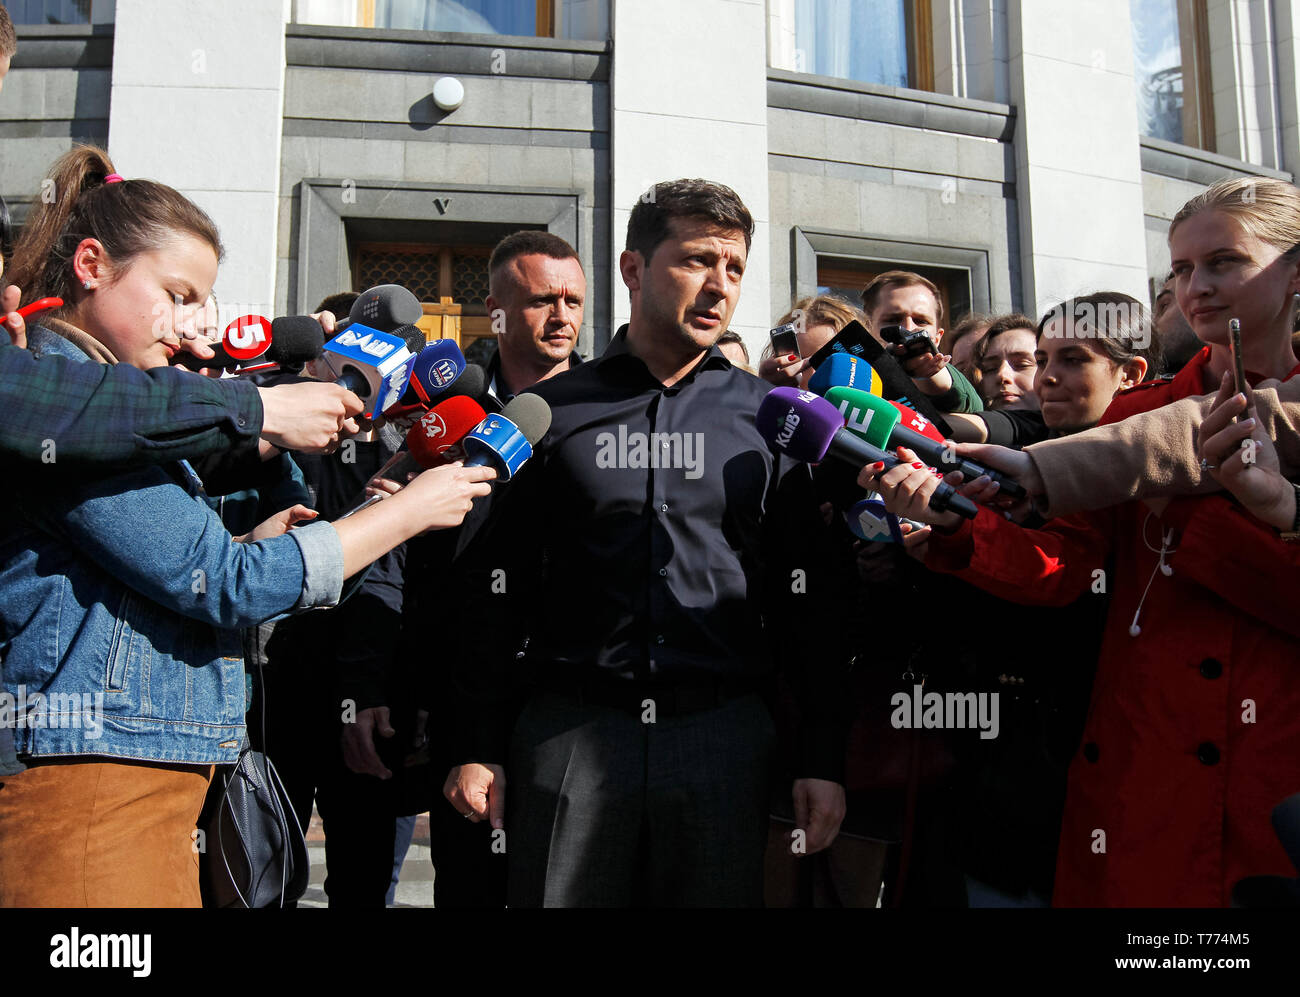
(1207, 466)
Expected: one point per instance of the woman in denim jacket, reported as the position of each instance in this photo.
(121, 600)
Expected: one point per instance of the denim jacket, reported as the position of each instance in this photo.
(121, 602)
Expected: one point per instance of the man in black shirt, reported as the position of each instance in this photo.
(691, 555)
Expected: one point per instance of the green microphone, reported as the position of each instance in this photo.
(877, 421)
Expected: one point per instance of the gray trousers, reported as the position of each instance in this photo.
(606, 811)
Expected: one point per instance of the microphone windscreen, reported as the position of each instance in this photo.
(844, 370)
(471, 383)
(798, 423)
(295, 339)
(386, 307)
(441, 428)
(414, 336)
(869, 416)
(531, 414)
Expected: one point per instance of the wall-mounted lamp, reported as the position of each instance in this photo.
(448, 93)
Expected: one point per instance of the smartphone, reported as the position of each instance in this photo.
(1238, 366)
(785, 341)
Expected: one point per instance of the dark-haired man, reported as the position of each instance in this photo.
(653, 509)
(536, 293)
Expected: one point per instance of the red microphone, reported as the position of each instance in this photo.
(915, 421)
(433, 440)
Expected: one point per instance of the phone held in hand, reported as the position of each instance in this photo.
(785, 342)
(913, 343)
(1240, 385)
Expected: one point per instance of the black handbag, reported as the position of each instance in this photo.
(256, 853)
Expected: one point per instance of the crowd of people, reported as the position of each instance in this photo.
(670, 676)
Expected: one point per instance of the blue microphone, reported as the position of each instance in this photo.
(844, 370)
(506, 440)
(416, 385)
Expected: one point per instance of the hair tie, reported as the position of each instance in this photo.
(114, 178)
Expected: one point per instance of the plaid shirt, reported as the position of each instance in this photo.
(60, 414)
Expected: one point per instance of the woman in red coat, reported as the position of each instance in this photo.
(1193, 733)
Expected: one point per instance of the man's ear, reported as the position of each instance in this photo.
(1132, 373)
(631, 265)
(493, 307)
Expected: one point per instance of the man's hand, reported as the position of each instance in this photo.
(13, 322)
(311, 416)
(478, 791)
(278, 525)
(818, 810)
(359, 752)
(926, 364)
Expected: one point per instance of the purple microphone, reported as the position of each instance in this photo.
(809, 428)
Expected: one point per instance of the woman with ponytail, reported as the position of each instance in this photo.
(121, 600)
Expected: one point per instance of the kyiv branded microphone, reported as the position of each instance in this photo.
(809, 428)
(880, 422)
(361, 359)
(433, 440)
(505, 441)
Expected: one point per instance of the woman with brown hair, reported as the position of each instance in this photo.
(121, 599)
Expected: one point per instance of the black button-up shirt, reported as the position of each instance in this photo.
(689, 549)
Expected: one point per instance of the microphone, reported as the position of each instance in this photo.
(880, 423)
(421, 379)
(433, 440)
(291, 340)
(384, 307)
(868, 519)
(360, 358)
(506, 441)
(847, 371)
(809, 428)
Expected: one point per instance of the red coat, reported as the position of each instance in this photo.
(1193, 734)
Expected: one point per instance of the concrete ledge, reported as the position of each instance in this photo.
(445, 52)
(1182, 162)
(64, 46)
(890, 105)
(469, 134)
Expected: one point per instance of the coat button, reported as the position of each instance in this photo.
(1091, 752)
(1211, 668)
(1208, 753)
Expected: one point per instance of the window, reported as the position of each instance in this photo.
(847, 278)
(581, 19)
(888, 42)
(1171, 64)
(49, 11)
(449, 280)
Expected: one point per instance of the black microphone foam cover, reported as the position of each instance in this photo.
(295, 339)
(471, 383)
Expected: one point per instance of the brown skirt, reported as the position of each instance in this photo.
(98, 833)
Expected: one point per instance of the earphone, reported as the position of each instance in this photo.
(1162, 566)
